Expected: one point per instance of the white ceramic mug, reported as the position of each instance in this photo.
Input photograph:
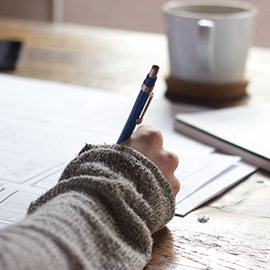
(209, 41)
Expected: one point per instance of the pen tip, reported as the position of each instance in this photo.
(153, 71)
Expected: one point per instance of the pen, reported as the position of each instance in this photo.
(142, 102)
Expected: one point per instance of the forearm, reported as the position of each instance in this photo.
(100, 215)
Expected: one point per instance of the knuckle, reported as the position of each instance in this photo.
(176, 186)
(156, 136)
(152, 137)
(172, 160)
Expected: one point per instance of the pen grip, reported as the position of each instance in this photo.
(133, 116)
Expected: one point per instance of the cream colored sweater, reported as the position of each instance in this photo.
(100, 215)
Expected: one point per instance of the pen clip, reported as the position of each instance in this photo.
(139, 120)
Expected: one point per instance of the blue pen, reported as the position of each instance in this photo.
(142, 102)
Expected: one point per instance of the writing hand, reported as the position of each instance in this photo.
(149, 141)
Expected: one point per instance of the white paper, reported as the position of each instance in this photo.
(194, 172)
(215, 187)
(43, 125)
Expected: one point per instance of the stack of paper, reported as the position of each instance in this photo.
(43, 125)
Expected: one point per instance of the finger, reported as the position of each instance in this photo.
(171, 160)
(174, 183)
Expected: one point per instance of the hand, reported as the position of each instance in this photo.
(149, 142)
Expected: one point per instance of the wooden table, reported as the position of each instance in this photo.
(237, 234)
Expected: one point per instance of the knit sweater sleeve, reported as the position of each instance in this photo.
(100, 215)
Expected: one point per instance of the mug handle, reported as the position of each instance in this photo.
(206, 44)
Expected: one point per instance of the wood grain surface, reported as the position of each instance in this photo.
(229, 232)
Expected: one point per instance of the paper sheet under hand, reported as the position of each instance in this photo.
(198, 171)
(43, 125)
(213, 188)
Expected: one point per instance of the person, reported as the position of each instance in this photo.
(101, 214)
